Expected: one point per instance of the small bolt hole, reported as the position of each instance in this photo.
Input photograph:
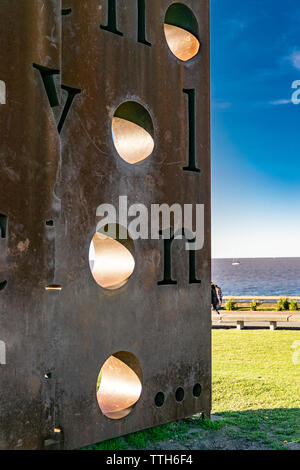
(197, 390)
(179, 395)
(159, 399)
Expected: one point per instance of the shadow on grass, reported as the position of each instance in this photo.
(252, 429)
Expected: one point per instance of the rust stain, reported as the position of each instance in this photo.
(23, 246)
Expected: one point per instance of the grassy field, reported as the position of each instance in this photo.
(256, 397)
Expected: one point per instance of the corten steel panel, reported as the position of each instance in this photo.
(29, 156)
(72, 332)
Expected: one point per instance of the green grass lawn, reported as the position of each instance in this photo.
(256, 392)
(256, 385)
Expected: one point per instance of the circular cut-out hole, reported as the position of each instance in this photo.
(182, 32)
(179, 395)
(111, 256)
(133, 132)
(159, 399)
(119, 385)
(197, 390)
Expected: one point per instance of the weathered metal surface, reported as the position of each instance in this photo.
(58, 339)
(29, 156)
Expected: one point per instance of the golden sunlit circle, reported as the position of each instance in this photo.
(183, 44)
(119, 385)
(181, 31)
(133, 132)
(111, 258)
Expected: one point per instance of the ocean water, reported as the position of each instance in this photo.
(258, 276)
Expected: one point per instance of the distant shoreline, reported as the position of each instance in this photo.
(257, 276)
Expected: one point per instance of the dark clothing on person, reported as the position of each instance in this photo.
(214, 297)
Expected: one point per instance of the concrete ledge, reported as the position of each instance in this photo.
(295, 317)
(254, 316)
(270, 319)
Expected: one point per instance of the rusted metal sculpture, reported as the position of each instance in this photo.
(99, 100)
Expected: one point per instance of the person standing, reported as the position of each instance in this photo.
(219, 295)
(214, 297)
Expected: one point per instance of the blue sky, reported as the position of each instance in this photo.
(255, 54)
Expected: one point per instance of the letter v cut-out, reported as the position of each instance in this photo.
(49, 84)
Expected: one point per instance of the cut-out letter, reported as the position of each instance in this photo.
(192, 131)
(167, 280)
(2, 92)
(142, 22)
(72, 92)
(3, 225)
(47, 77)
(192, 267)
(111, 18)
(2, 353)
